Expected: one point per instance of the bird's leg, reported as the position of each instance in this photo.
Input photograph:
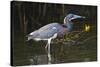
(49, 55)
(46, 46)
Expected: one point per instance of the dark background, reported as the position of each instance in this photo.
(29, 16)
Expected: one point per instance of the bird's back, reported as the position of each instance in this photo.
(49, 26)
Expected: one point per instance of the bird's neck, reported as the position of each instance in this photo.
(69, 26)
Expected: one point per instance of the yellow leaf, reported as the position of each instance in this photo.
(87, 28)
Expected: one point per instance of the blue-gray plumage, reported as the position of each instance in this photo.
(53, 30)
(46, 32)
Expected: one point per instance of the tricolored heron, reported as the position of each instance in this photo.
(53, 30)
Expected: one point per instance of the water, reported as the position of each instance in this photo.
(34, 53)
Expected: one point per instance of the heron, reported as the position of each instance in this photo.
(53, 30)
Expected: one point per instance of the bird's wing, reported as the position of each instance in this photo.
(47, 33)
(48, 30)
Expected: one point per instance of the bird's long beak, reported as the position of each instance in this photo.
(76, 17)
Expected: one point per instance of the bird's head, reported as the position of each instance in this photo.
(68, 20)
(71, 17)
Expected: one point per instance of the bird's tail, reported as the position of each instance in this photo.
(32, 35)
(28, 37)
